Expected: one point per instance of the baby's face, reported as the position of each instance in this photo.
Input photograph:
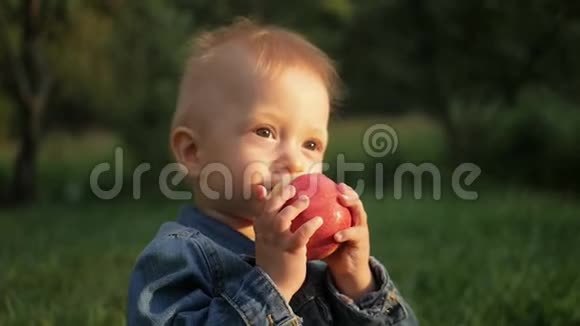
(278, 132)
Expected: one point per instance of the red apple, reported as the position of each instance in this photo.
(323, 194)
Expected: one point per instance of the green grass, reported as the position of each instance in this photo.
(69, 265)
(505, 259)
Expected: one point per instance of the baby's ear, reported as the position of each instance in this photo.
(185, 147)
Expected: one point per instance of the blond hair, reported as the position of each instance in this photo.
(272, 50)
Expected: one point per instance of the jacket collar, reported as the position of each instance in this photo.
(222, 234)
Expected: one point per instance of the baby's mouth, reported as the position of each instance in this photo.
(285, 179)
(270, 182)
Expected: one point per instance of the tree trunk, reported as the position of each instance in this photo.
(434, 96)
(24, 177)
(32, 82)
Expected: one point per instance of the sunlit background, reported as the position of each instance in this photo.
(492, 83)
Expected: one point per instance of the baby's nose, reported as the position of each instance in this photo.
(291, 161)
(294, 166)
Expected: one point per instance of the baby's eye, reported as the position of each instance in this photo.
(311, 145)
(264, 132)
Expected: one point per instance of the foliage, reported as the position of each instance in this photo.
(406, 53)
(531, 143)
(116, 64)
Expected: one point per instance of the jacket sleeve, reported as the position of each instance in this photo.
(175, 282)
(384, 306)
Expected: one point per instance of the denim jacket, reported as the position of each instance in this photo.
(198, 271)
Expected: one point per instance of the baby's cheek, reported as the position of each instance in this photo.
(256, 159)
(315, 167)
(251, 173)
(253, 163)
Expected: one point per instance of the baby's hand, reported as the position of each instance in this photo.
(349, 264)
(279, 252)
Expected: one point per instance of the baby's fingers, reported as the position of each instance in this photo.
(260, 192)
(350, 199)
(347, 196)
(352, 234)
(304, 233)
(279, 195)
(290, 212)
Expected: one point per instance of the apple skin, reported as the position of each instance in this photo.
(323, 194)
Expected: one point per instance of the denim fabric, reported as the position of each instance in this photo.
(198, 271)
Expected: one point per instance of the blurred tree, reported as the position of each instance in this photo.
(432, 54)
(146, 54)
(29, 82)
(72, 64)
(35, 36)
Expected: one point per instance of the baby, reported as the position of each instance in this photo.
(252, 114)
